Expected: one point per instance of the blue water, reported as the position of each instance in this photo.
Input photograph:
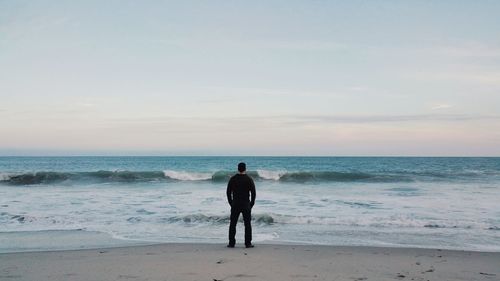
(378, 201)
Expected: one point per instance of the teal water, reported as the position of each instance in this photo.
(377, 201)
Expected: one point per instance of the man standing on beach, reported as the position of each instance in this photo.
(239, 189)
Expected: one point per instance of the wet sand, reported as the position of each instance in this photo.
(264, 262)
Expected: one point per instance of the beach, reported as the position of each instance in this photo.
(264, 262)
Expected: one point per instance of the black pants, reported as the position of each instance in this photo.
(247, 217)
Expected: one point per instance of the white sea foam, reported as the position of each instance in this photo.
(4, 176)
(187, 176)
(270, 175)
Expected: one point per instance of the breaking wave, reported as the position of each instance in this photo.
(98, 176)
(48, 177)
(187, 176)
(273, 218)
(264, 219)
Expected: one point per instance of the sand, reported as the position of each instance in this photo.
(264, 262)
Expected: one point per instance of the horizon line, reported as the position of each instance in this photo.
(275, 156)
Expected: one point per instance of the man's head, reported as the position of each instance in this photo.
(242, 167)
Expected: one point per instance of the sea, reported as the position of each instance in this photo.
(54, 203)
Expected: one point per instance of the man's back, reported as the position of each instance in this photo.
(239, 190)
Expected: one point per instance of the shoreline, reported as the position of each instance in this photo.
(79, 239)
(201, 261)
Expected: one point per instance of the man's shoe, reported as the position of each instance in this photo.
(230, 246)
(249, 246)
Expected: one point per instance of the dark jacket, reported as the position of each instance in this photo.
(239, 189)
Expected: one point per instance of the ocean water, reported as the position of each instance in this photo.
(60, 202)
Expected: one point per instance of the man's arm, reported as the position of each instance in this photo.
(252, 190)
(229, 193)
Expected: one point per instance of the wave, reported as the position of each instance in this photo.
(270, 175)
(49, 177)
(98, 176)
(187, 176)
(265, 219)
(6, 218)
(308, 176)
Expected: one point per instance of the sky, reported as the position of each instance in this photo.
(325, 78)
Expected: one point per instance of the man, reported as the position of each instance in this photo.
(239, 189)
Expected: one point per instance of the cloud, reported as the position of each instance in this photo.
(480, 77)
(293, 45)
(487, 78)
(474, 49)
(280, 121)
(441, 106)
(86, 104)
(357, 89)
(457, 50)
(396, 118)
(307, 45)
(284, 92)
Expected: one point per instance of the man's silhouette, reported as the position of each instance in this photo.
(239, 189)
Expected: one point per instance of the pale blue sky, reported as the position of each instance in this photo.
(253, 77)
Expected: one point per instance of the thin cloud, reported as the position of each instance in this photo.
(358, 89)
(280, 120)
(470, 50)
(441, 106)
(86, 104)
(246, 91)
(311, 45)
(398, 118)
(294, 45)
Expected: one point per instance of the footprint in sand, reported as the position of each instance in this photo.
(127, 276)
(487, 274)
